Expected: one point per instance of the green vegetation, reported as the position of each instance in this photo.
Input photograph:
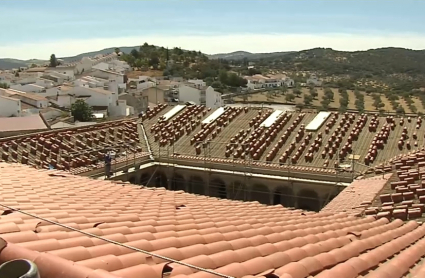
(187, 64)
(53, 61)
(81, 111)
(393, 98)
(359, 103)
(4, 86)
(343, 101)
(308, 99)
(328, 94)
(371, 71)
(289, 97)
(377, 102)
(313, 92)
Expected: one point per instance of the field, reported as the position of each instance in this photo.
(278, 97)
(150, 73)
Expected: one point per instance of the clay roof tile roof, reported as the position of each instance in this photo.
(229, 237)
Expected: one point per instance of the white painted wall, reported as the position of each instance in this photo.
(213, 98)
(28, 88)
(63, 101)
(10, 107)
(33, 102)
(197, 82)
(109, 75)
(102, 66)
(187, 93)
(44, 83)
(96, 98)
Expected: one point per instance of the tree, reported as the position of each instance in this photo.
(223, 77)
(328, 94)
(81, 111)
(53, 61)
(400, 110)
(313, 93)
(134, 53)
(33, 65)
(117, 50)
(216, 85)
(299, 106)
(245, 97)
(297, 92)
(4, 85)
(325, 103)
(308, 99)
(269, 96)
(284, 89)
(154, 62)
(290, 97)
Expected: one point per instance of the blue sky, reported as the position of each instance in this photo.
(34, 28)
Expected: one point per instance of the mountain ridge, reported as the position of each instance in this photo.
(9, 63)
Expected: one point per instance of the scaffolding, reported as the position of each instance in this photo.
(118, 148)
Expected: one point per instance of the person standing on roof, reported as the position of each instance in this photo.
(108, 161)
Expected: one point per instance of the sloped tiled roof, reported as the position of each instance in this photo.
(34, 122)
(404, 196)
(239, 239)
(358, 195)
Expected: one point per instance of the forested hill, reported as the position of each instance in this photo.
(393, 66)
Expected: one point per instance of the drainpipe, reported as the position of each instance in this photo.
(19, 269)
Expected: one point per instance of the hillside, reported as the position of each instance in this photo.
(124, 49)
(7, 63)
(239, 55)
(375, 69)
(396, 68)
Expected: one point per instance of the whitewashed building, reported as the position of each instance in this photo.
(66, 72)
(314, 81)
(259, 81)
(35, 100)
(107, 74)
(29, 88)
(10, 107)
(198, 83)
(200, 96)
(98, 98)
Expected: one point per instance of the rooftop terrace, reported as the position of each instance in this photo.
(347, 142)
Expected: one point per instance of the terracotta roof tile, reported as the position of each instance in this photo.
(234, 238)
(352, 198)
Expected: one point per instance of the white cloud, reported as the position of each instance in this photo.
(218, 43)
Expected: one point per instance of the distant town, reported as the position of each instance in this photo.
(56, 94)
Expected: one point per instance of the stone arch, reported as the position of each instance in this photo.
(160, 180)
(308, 200)
(327, 199)
(178, 183)
(237, 191)
(217, 188)
(196, 185)
(284, 196)
(132, 180)
(144, 179)
(260, 193)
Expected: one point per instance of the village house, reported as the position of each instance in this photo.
(200, 95)
(259, 81)
(10, 107)
(314, 81)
